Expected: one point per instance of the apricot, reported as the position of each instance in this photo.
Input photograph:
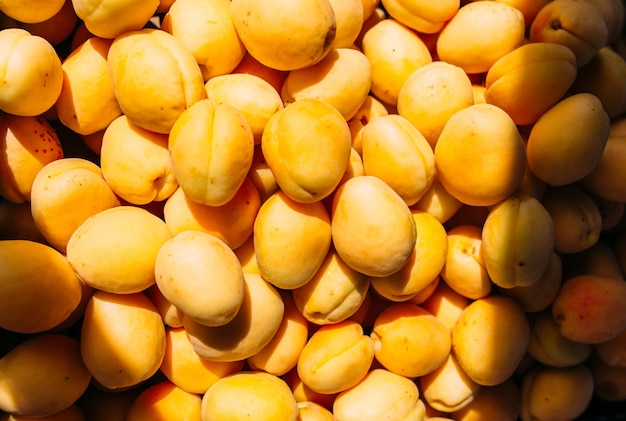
(39, 288)
(261, 175)
(549, 392)
(539, 295)
(29, 143)
(311, 411)
(349, 17)
(244, 395)
(402, 352)
(344, 83)
(394, 52)
(165, 401)
(424, 265)
(479, 34)
(172, 316)
(517, 241)
(136, 163)
(480, 156)
(32, 72)
(307, 146)
(334, 294)
(253, 327)
(575, 24)
(284, 35)
(448, 388)
(231, 222)
(158, 59)
(499, 402)
(31, 11)
(570, 136)
(122, 340)
(207, 30)
(211, 147)
(606, 179)
(111, 18)
(445, 304)
(369, 109)
(530, 79)
(612, 352)
(529, 8)
(576, 217)
(126, 241)
(290, 261)
(599, 259)
(194, 261)
(375, 237)
(422, 16)
(432, 94)
(380, 394)
(585, 309)
(490, 339)
(68, 183)
(438, 202)
(253, 96)
(336, 357)
(464, 269)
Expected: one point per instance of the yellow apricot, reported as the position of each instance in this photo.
(576, 217)
(110, 18)
(479, 34)
(539, 295)
(23, 389)
(68, 183)
(445, 304)
(547, 391)
(122, 339)
(336, 357)
(165, 401)
(206, 28)
(171, 315)
(38, 288)
(480, 156)
(307, 146)
(32, 73)
(548, 346)
(31, 11)
(397, 153)
(575, 24)
(291, 240)
(281, 354)
(448, 388)
(284, 35)
(29, 143)
(136, 163)
(517, 241)
(424, 265)
(158, 59)
(567, 141)
(606, 179)
(422, 16)
(432, 94)
(115, 250)
(211, 147)
(249, 395)
(499, 402)
(380, 394)
(232, 222)
(369, 109)
(261, 175)
(530, 79)
(490, 339)
(438, 202)
(57, 28)
(349, 20)
(87, 102)
(334, 294)
(394, 52)
(311, 411)
(372, 228)
(341, 79)
(257, 321)
(464, 269)
(402, 352)
(191, 262)
(253, 96)
(603, 77)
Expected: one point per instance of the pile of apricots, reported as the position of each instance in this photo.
(312, 210)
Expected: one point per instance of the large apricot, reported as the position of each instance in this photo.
(110, 18)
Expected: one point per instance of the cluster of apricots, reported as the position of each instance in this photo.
(312, 210)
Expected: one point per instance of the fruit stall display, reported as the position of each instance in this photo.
(312, 210)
